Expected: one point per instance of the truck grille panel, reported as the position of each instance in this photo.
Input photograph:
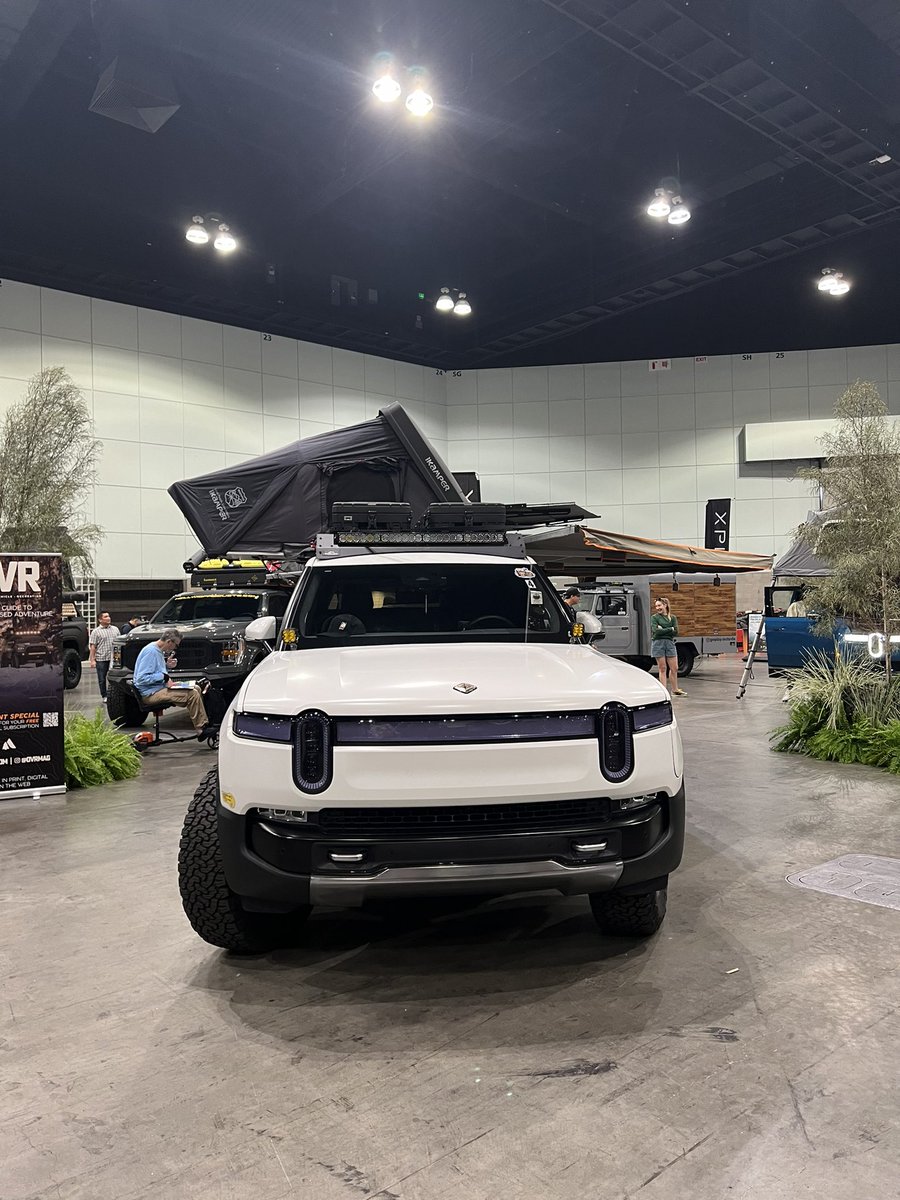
(474, 819)
(192, 656)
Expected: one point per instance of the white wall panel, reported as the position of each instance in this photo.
(494, 386)
(117, 416)
(20, 306)
(115, 370)
(279, 356)
(65, 315)
(349, 369)
(114, 324)
(159, 333)
(530, 385)
(202, 341)
(242, 348)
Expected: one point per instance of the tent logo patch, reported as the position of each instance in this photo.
(9, 744)
(235, 497)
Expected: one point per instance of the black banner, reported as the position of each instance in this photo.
(31, 675)
(718, 524)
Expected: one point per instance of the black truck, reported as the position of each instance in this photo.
(211, 617)
(74, 639)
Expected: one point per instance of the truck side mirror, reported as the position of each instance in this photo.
(260, 630)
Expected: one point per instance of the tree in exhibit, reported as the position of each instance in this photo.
(847, 709)
(860, 475)
(48, 464)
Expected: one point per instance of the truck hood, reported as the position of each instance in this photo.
(187, 629)
(421, 679)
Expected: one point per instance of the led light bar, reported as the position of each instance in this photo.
(383, 537)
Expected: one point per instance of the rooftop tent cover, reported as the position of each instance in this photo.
(580, 550)
(799, 562)
(280, 501)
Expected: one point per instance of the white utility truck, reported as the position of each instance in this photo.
(705, 611)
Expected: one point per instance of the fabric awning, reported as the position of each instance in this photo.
(577, 549)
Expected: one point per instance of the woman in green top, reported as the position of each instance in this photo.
(663, 632)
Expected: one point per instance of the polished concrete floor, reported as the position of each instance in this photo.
(750, 1050)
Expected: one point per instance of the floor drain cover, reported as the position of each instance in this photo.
(863, 877)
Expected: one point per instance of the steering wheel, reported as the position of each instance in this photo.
(496, 618)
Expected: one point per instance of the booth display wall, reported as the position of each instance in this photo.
(174, 397)
(646, 449)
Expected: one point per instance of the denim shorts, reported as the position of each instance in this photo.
(663, 648)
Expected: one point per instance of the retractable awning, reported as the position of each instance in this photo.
(576, 549)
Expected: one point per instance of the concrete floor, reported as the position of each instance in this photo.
(751, 1050)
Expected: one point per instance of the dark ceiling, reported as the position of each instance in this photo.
(554, 121)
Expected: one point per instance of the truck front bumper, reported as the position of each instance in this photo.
(276, 866)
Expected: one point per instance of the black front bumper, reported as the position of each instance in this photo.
(276, 866)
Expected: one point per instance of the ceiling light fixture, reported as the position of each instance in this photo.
(668, 205)
(453, 300)
(200, 229)
(418, 102)
(462, 308)
(680, 213)
(833, 282)
(225, 241)
(386, 88)
(196, 231)
(659, 206)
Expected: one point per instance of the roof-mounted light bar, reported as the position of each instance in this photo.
(386, 537)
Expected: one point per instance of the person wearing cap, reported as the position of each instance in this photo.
(592, 626)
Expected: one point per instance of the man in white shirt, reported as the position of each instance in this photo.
(100, 649)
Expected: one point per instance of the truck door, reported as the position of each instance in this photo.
(614, 610)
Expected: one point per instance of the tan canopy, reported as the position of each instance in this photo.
(581, 550)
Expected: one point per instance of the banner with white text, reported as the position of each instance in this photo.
(31, 675)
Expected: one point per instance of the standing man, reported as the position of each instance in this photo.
(100, 649)
(572, 597)
(151, 679)
(132, 623)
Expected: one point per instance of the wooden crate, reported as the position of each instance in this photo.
(702, 609)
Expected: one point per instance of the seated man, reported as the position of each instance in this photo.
(151, 680)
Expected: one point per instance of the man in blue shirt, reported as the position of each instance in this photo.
(151, 679)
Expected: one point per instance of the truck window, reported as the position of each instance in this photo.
(277, 606)
(428, 602)
(612, 606)
(210, 606)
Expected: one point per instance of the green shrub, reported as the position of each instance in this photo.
(842, 710)
(95, 752)
(883, 749)
(841, 745)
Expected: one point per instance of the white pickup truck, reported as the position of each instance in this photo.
(430, 723)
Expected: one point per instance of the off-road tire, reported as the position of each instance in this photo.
(622, 915)
(122, 708)
(213, 909)
(71, 665)
(686, 658)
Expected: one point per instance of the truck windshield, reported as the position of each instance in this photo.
(211, 606)
(433, 602)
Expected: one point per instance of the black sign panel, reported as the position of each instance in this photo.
(718, 524)
(31, 675)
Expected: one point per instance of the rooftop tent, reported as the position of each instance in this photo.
(581, 550)
(278, 502)
(799, 562)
